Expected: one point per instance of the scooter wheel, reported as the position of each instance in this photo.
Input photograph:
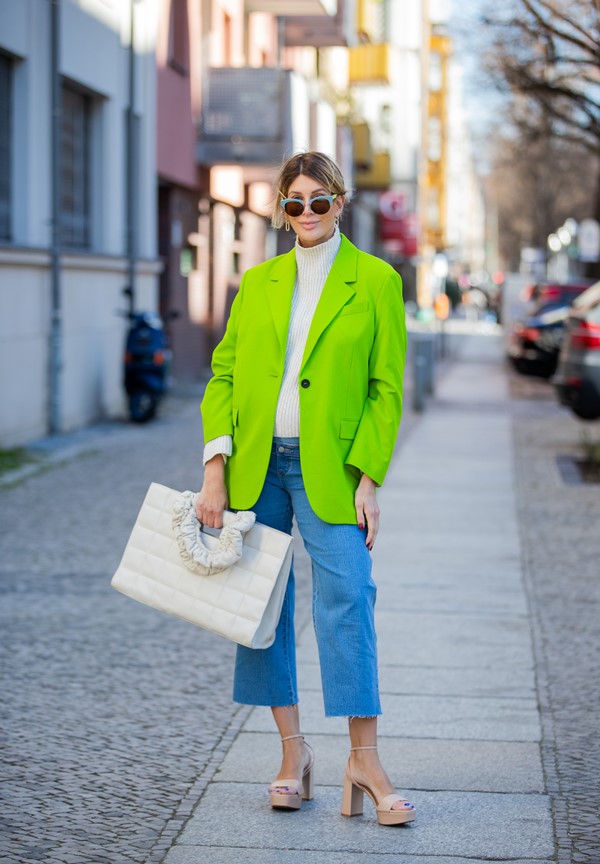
(142, 406)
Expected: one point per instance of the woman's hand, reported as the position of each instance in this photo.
(367, 509)
(212, 498)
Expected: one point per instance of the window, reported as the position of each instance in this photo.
(75, 210)
(5, 146)
(178, 37)
(227, 39)
(436, 74)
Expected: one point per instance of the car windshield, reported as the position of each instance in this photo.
(587, 300)
(550, 310)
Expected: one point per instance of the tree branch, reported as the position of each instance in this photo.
(588, 45)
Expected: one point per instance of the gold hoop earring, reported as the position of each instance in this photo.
(287, 225)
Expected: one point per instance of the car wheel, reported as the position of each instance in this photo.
(585, 411)
(521, 366)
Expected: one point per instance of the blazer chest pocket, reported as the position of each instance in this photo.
(348, 428)
(354, 308)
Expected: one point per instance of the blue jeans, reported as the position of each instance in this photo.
(343, 604)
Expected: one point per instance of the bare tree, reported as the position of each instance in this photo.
(535, 181)
(547, 52)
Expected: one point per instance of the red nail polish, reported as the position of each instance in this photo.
(361, 526)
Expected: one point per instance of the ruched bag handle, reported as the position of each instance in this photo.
(196, 556)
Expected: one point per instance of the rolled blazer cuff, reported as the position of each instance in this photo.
(223, 445)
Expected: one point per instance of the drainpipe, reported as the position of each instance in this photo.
(280, 40)
(130, 214)
(55, 342)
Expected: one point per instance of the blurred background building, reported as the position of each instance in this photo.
(78, 193)
(139, 141)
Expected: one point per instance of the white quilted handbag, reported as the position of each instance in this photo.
(233, 584)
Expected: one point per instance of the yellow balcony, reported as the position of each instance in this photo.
(370, 64)
(442, 44)
(378, 176)
(361, 141)
(367, 18)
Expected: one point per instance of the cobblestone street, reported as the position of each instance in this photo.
(560, 533)
(111, 710)
(116, 717)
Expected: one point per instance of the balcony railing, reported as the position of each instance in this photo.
(370, 64)
(288, 8)
(378, 176)
(252, 116)
(323, 32)
(361, 141)
(369, 19)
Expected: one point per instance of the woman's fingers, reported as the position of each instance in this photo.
(373, 529)
(212, 498)
(210, 519)
(209, 510)
(367, 511)
(360, 515)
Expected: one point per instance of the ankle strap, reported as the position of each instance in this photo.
(290, 737)
(368, 747)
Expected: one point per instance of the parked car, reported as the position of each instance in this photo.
(534, 341)
(577, 381)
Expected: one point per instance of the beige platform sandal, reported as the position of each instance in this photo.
(353, 798)
(289, 794)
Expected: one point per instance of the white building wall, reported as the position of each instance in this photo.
(465, 215)
(24, 315)
(94, 37)
(326, 129)
(394, 111)
(407, 37)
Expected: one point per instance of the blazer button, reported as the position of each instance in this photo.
(305, 383)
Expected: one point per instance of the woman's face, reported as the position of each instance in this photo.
(311, 228)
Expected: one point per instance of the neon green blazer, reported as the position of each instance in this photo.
(350, 382)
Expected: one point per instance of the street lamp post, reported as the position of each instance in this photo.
(562, 246)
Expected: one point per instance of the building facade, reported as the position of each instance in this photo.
(245, 84)
(71, 221)
(139, 140)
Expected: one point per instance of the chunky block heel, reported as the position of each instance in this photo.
(353, 798)
(307, 783)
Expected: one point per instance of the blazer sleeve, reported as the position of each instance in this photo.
(217, 404)
(375, 438)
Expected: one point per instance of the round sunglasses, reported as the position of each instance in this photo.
(320, 204)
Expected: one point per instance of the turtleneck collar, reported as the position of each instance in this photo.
(321, 254)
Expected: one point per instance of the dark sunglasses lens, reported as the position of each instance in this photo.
(294, 208)
(320, 206)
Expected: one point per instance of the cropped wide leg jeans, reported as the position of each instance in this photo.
(343, 604)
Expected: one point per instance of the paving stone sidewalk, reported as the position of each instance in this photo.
(120, 742)
(111, 712)
(471, 601)
(559, 517)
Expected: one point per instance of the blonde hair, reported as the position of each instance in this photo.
(313, 164)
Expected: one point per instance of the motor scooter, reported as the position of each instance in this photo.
(147, 365)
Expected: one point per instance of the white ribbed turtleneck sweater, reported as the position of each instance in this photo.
(313, 264)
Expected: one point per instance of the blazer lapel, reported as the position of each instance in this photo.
(338, 289)
(279, 295)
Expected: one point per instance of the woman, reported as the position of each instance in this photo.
(300, 419)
